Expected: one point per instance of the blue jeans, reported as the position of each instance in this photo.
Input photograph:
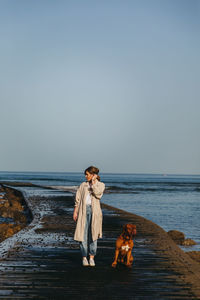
(88, 242)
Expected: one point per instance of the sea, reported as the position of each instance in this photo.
(171, 201)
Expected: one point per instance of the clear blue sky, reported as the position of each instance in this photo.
(110, 83)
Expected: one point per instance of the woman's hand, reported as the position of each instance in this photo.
(94, 178)
(75, 214)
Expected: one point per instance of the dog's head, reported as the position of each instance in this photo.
(129, 230)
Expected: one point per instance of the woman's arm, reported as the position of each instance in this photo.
(75, 214)
(76, 206)
(97, 189)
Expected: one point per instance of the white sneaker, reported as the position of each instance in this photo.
(92, 263)
(85, 262)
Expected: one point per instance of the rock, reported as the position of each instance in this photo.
(188, 242)
(7, 230)
(195, 255)
(6, 204)
(2, 189)
(6, 212)
(16, 206)
(177, 236)
(12, 207)
(19, 217)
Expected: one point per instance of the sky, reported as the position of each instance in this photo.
(109, 83)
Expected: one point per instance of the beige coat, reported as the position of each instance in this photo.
(80, 203)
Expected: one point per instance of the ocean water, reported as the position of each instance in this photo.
(171, 201)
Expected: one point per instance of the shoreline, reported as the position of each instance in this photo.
(14, 212)
(172, 257)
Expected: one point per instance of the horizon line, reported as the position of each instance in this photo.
(113, 173)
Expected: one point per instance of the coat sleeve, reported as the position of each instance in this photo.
(77, 197)
(98, 189)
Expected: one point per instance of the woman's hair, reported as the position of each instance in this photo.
(93, 170)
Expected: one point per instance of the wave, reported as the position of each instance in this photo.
(136, 190)
(153, 182)
(117, 189)
(64, 188)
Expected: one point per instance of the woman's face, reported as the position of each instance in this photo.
(88, 176)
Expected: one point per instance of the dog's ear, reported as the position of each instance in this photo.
(134, 231)
(124, 227)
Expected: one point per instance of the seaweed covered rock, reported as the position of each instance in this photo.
(13, 209)
(177, 236)
(189, 242)
(7, 230)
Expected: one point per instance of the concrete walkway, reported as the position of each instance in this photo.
(43, 262)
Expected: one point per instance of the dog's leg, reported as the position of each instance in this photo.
(116, 257)
(129, 262)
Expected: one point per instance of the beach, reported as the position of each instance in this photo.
(42, 261)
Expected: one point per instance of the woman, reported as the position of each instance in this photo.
(88, 214)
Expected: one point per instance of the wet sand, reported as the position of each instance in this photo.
(42, 261)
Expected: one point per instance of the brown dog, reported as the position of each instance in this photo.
(124, 246)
